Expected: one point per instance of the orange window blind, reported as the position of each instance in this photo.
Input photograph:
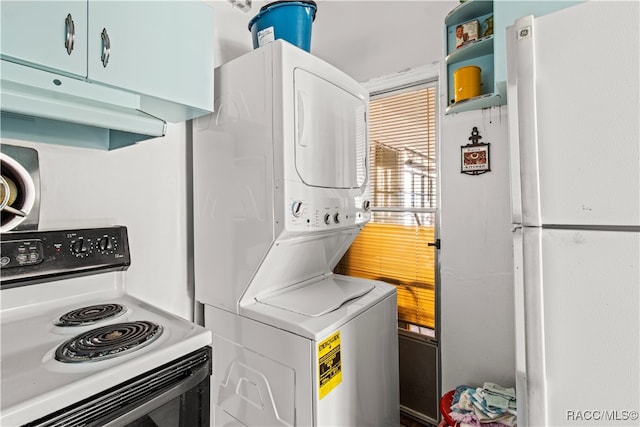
(393, 247)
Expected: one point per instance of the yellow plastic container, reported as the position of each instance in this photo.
(466, 83)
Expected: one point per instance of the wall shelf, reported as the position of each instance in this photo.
(481, 47)
(480, 52)
(469, 10)
(476, 103)
(489, 52)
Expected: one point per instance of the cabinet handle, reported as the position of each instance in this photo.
(70, 28)
(106, 47)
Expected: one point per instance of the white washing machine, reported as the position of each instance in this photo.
(280, 191)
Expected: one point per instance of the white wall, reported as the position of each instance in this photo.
(476, 281)
(142, 187)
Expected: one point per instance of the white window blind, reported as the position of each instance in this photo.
(393, 247)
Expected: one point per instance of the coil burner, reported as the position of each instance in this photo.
(90, 315)
(108, 341)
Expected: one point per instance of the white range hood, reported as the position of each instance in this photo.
(44, 106)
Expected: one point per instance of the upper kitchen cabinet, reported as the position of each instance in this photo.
(486, 46)
(103, 74)
(160, 49)
(48, 34)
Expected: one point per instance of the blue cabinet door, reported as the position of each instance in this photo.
(162, 49)
(50, 35)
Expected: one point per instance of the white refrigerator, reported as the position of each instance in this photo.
(574, 112)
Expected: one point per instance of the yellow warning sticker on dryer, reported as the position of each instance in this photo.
(329, 364)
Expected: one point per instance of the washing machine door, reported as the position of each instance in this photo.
(319, 298)
(19, 188)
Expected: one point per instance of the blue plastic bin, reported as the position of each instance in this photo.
(288, 20)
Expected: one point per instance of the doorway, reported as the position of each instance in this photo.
(399, 244)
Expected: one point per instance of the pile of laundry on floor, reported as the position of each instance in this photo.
(489, 406)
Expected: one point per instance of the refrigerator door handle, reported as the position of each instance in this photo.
(512, 117)
(523, 120)
(520, 324)
(531, 270)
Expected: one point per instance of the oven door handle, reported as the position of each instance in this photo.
(128, 417)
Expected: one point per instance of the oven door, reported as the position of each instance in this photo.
(173, 395)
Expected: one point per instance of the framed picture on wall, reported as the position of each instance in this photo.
(475, 158)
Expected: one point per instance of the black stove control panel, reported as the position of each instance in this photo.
(37, 256)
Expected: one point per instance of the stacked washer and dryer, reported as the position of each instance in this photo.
(281, 190)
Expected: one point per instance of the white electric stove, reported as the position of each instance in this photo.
(77, 350)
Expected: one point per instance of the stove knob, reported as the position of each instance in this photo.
(78, 247)
(105, 244)
(336, 218)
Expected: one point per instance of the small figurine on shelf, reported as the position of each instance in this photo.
(487, 27)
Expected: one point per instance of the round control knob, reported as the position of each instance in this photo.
(105, 244)
(79, 247)
(336, 218)
(366, 205)
(296, 208)
(327, 219)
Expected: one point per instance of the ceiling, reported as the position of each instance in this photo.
(364, 38)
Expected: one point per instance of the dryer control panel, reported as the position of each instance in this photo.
(304, 215)
(311, 209)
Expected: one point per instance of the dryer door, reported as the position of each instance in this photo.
(330, 133)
